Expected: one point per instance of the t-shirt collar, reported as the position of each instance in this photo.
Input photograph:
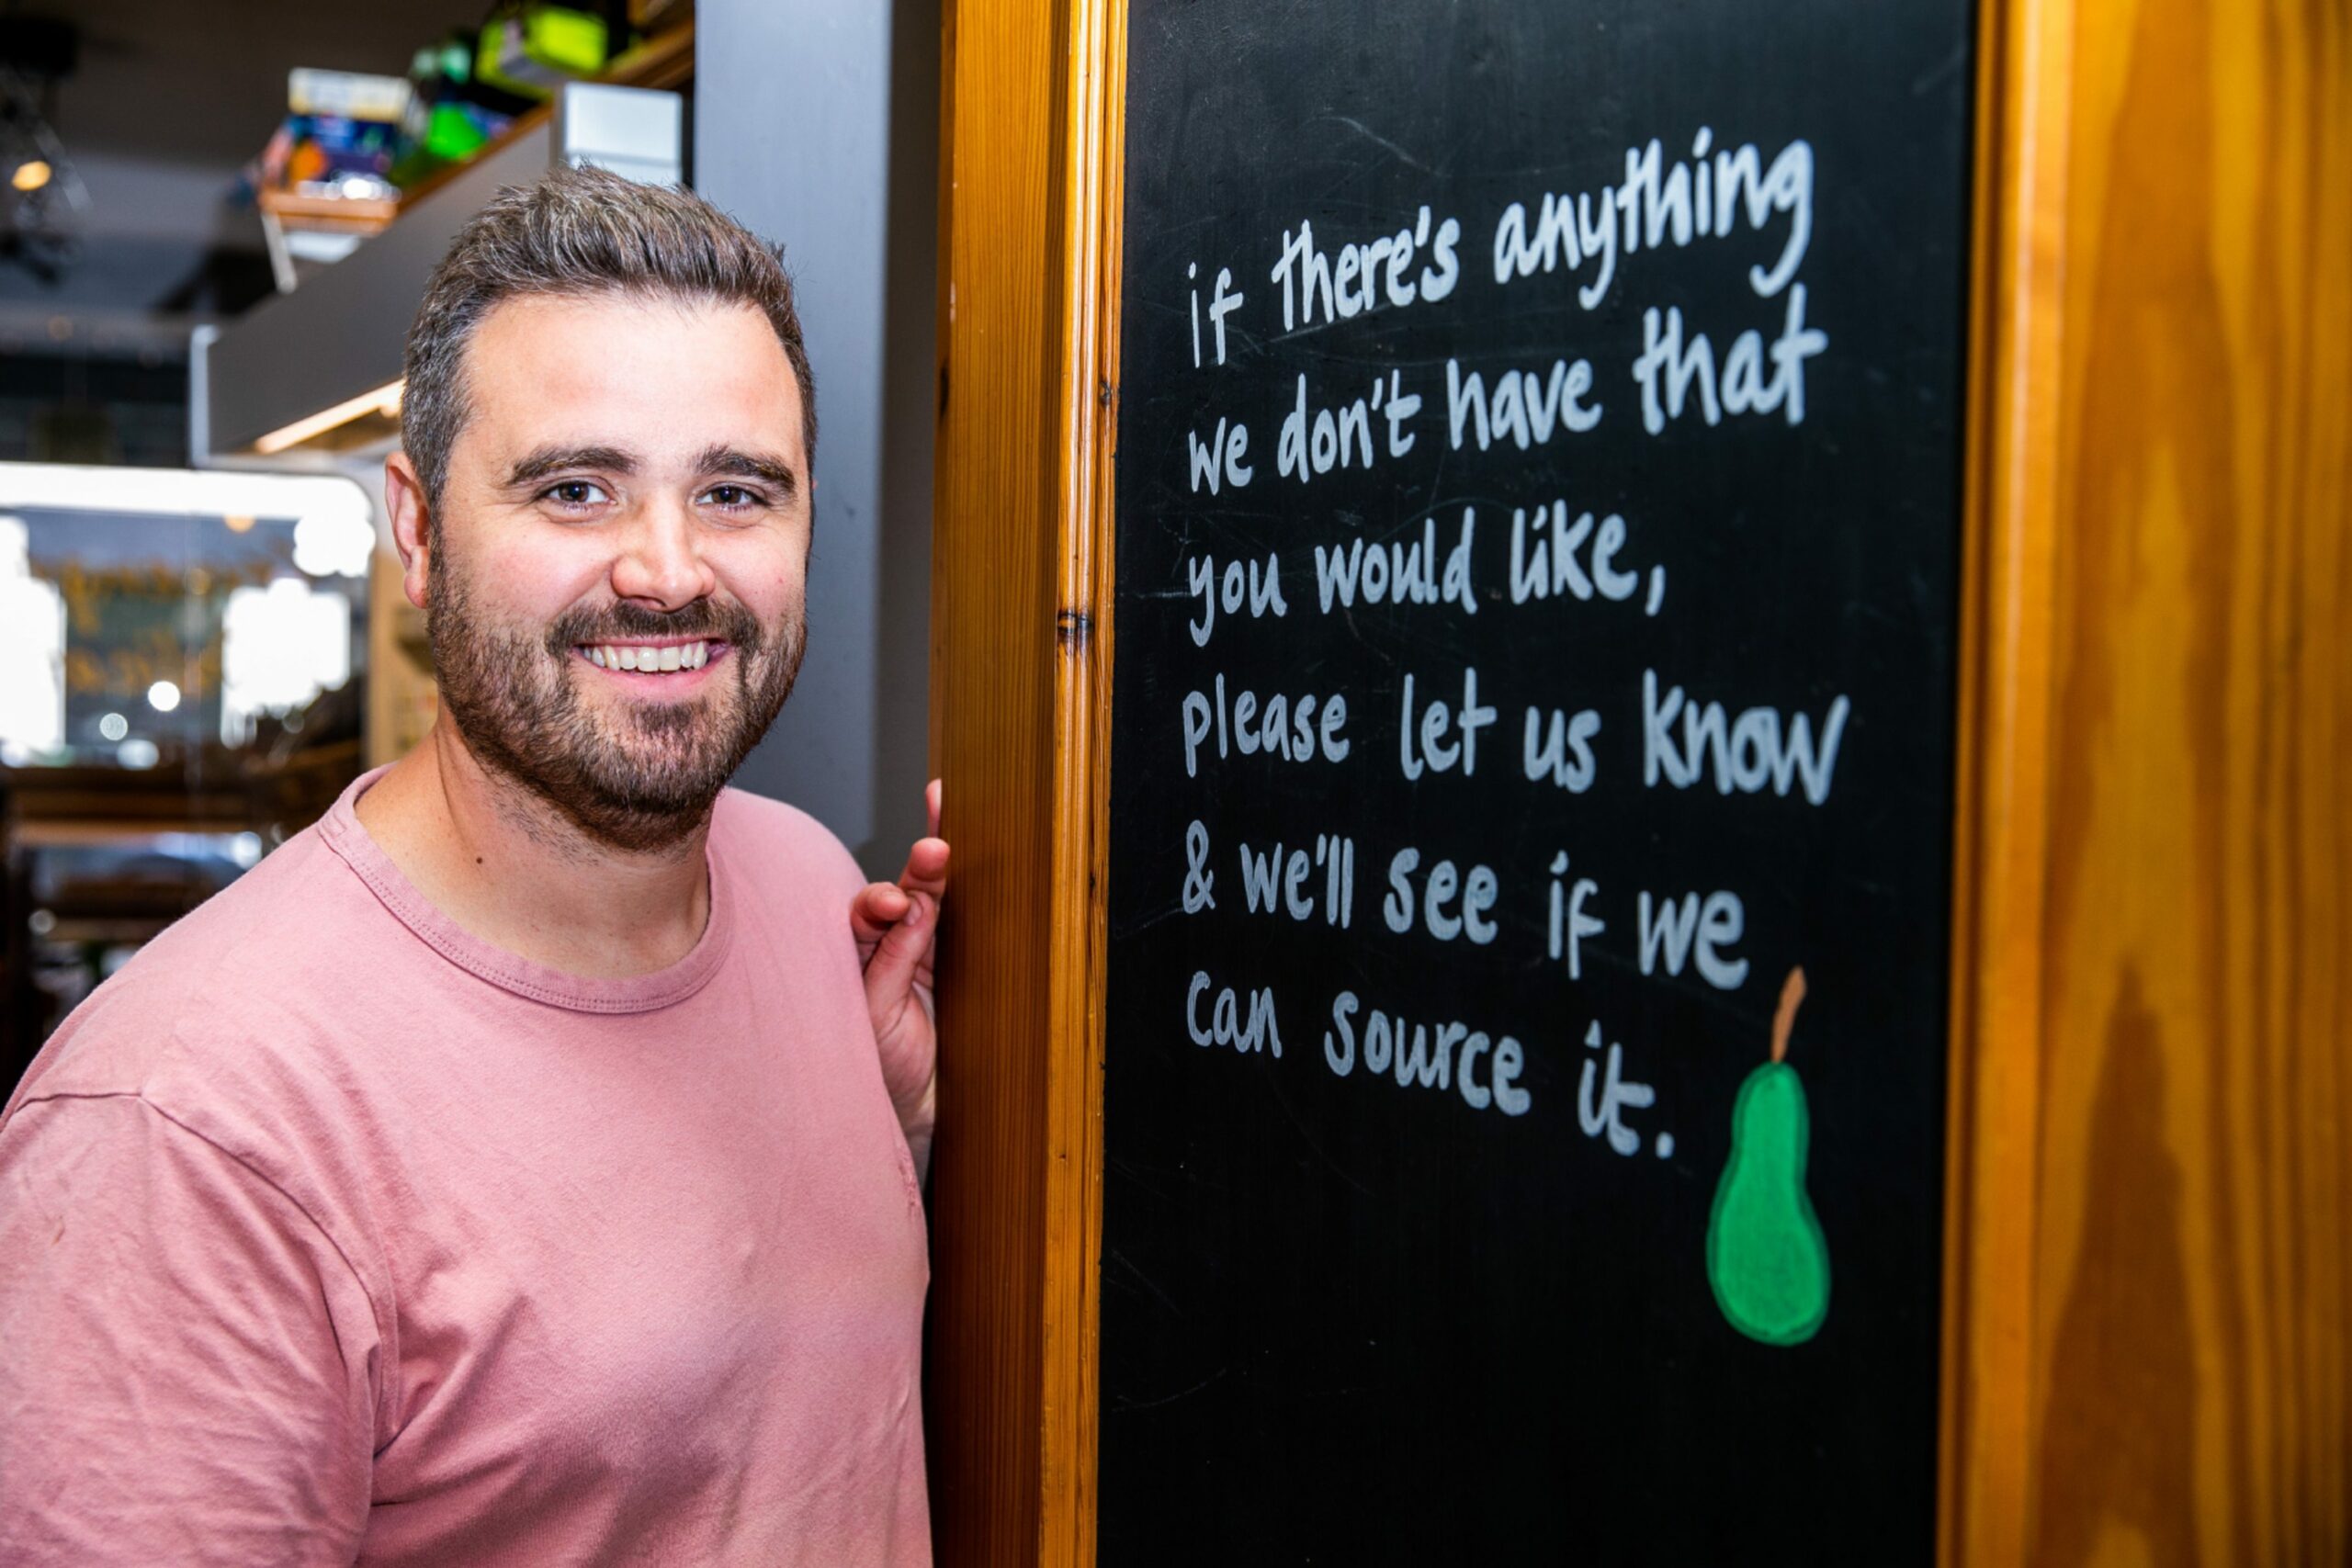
(344, 834)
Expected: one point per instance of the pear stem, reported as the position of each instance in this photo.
(1784, 1018)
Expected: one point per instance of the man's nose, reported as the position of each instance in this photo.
(662, 564)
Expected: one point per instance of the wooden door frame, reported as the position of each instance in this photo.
(1031, 179)
(1030, 187)
(2011, 518)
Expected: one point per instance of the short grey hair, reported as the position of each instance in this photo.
(582, 233)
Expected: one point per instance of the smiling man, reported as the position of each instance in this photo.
(521, 1165)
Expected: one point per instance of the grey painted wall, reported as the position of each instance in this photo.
(817, 124)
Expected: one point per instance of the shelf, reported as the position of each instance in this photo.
(664, 62)
(328, 214)
(278, 382)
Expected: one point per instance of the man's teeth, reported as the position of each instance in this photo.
(677, 656)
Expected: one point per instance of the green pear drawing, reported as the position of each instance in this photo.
(1766, 1257)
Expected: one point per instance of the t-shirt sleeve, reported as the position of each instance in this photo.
(186, 1362)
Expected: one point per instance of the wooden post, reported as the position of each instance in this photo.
(2150, 1307)
(2002, 829)
(1020, 709)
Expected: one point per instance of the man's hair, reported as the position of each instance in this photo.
(578, 233)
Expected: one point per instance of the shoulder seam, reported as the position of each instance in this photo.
(388, 1323)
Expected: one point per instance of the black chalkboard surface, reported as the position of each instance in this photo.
(1532, 750)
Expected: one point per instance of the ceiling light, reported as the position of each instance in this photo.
(30, 176)
(385, 400)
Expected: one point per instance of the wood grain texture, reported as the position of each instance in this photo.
(1088, 407)
(2015, 468)
(1074, 1248)
(1021, 579)
(2152, 1304)
(2190, 1297)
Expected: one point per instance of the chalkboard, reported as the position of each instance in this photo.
(1533, 733)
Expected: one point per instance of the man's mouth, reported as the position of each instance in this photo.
(653, 659)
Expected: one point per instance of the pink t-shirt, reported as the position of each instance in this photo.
(330, 1234)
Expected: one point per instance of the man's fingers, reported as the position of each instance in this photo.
(876, 908)
(882, 907)
(926, 867)
(890, 973)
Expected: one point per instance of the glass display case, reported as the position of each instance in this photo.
(182, 667)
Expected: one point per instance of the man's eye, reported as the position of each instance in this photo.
(575, 492)
(732, 497)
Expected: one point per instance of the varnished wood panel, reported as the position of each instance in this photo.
(1019, 680)
(2150, 1360)
(2015, 461)
(2191, 1312)
(991, 681)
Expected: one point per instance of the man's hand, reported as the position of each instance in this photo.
(896, 925)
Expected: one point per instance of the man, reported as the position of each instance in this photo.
(522, 1164)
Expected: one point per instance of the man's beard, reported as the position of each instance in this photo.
(643, 775)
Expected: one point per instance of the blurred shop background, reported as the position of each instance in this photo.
(215, 224)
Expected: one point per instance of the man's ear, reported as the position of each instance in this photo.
(412, 523)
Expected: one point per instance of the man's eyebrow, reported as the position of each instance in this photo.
(750, 466)
(548, 460)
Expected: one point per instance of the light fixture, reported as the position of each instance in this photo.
(46, 198)
(385, 401)
(164, 697)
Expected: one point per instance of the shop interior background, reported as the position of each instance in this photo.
(201, 637)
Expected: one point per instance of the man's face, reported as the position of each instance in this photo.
(616, 590)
